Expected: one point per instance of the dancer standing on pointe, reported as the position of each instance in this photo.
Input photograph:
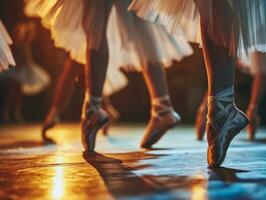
(63, 92)
(220, 41)
(256, 67)
(132, 42)
(251, 23)
(6, 57)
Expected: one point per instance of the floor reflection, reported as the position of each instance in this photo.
(231, 175)
(199, 190)
(31, 170)
(58, 180)
(228, 184)
(122, 182)
(225, 174)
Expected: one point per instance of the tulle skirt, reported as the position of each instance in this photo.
(238, 25)
(251, 31)
(179, 17)
(67, 20)
(32, 78)
(133, 43)
(251, 18)
(185, 18)
(6, 57)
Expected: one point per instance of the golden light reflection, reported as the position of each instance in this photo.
(198, 190)
(58, 181)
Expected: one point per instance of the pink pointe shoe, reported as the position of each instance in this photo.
(158, 126)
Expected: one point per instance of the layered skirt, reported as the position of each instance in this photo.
(179, 17)
(237, 25)
(6, 57)
(251, 18)
(185, 18)
(133, 43)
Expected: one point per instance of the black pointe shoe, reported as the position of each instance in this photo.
(90, 125)
(219, 138)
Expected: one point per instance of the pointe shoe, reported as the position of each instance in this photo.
(254, 118)
(201, 120)
(91, 124)
(219, 138)
(158, 126)
(218, 148)
(51, 120)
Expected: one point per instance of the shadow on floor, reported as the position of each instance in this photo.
(229, 175)
(121, 181)
(26, 144)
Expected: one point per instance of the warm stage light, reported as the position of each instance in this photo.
(198, 190)
(58, 181)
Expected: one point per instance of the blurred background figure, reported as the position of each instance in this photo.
(257, 69)
(6, 57)
(28, 78)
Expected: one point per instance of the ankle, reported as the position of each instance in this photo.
(91, 105)
(225, 96)
(161, 106)
(221, 104)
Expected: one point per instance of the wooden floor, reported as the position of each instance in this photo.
(175, 169)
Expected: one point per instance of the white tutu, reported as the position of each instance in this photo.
(132, 42)
(184, 18)
(250, 31)
(33, 78)
(180, 17)
(64, 18)
(238, 25)
(6, 57)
